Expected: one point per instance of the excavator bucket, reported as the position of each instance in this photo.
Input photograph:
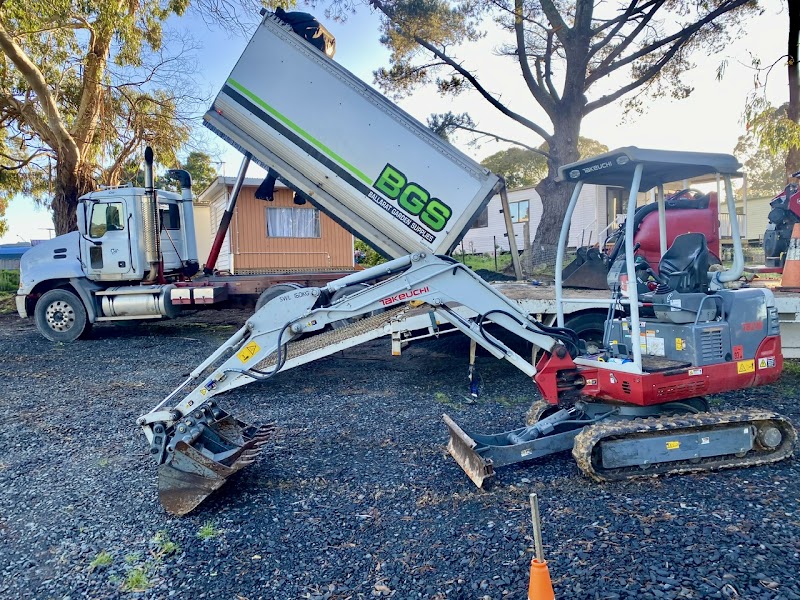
(195, 470)
(588, 271)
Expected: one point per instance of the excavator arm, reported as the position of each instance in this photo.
(198, 445)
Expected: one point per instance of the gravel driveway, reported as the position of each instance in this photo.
(359, 498)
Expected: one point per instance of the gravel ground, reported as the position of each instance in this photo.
(359, 498)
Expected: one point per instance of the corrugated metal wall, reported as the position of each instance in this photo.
(255, 252)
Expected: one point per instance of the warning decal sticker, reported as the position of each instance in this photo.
(767, 362)
(745, 366)
(248, 352)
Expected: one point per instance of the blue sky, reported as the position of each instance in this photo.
(709, 120)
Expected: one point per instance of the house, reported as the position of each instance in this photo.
(10, 255)
(269, 236)
(599, 211)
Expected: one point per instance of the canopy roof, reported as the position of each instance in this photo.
(616, 168)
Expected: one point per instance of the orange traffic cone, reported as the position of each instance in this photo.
(791, 268)
(540, 586)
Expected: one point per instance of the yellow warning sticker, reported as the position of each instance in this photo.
(249, 351)
(679, 344)
(745, 366)
(673, 445)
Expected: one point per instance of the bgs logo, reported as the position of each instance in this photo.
(413, 198)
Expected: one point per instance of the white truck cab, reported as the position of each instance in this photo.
(131, 243)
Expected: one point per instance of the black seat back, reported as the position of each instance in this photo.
(685, 264)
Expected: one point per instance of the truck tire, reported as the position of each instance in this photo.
(275, 291)
(590, 328)
(61, 317)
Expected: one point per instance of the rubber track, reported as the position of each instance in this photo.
(586, 443)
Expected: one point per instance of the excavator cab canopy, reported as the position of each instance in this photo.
(639, 170)
(616, 168)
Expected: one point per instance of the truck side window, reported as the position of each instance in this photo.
(106, 216)
(170, 216)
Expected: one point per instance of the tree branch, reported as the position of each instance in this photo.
(468, 76)
(52, 126)
(537, 92)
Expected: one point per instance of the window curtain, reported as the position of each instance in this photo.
(293, 222)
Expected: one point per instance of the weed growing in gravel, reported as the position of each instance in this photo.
(208, 531)
(163, 545)
(101, 561)
(136, 580)
(132, 558)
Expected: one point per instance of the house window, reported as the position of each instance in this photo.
(293, 222)
(519, 211)
(105, 217)
(615, 205)
(482, 220)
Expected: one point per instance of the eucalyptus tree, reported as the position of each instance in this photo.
(575, 57)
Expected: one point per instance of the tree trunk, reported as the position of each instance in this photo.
(72, 182)
(555, 195)
(793, 112)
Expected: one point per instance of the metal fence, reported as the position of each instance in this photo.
(9, 281)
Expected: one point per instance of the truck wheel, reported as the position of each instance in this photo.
(61, 317)
(590, 328)
(275, 291)
(343, 293)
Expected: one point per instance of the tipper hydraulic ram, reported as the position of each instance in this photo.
(675, 332)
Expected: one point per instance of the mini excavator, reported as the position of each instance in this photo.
(636, 408)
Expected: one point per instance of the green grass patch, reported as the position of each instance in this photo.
(9, 281)
(101, 561)
(484, 261)
(7, 303)
(208, 531)
(163, 545)
(136, 580)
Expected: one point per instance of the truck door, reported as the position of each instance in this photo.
(108, 246)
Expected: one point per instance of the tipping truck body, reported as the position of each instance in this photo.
(347, 149)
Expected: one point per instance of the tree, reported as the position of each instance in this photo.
(765, 169)
(199, 166)
(82, 87)
(525, 166)
(574, 57)
(778, 129)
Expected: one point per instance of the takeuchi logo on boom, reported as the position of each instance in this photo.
(403, 296)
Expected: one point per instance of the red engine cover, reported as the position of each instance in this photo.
(679, 221)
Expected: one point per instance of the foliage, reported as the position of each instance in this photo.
(9, 281)
(765, 169)
(523, 167)
(208, 531)
(366, 255)
(83, 86)
(163, 545)
(200, 168)
(574, 57)
(136, 580)
(771, 127)
(101, 561)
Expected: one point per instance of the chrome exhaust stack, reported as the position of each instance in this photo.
(151, 226)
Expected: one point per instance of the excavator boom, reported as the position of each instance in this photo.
(198, 445)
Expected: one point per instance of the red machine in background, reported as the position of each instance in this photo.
(784, 215)
(687, 211)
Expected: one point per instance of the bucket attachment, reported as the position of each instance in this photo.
(588, 271)
(197, 467)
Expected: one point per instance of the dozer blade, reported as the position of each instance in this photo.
(194, 471)
(462, 448)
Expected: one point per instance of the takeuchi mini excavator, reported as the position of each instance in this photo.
(636, 408)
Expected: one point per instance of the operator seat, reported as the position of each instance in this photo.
(685, 264)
